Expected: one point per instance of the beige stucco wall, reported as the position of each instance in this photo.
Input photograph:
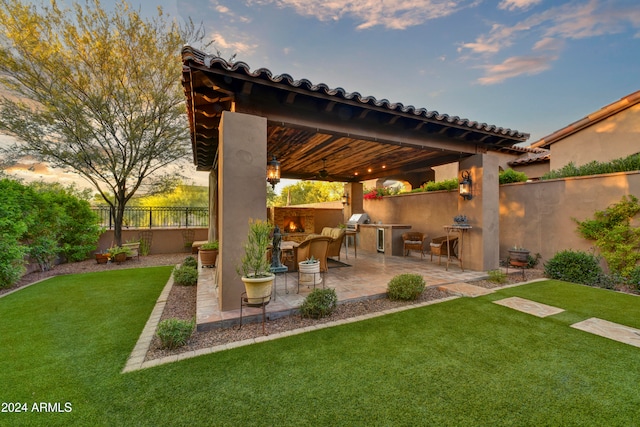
(538, 215)
(164, 240)
(614, 137)
(533, 170)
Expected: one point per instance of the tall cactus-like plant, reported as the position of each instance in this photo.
(254, 261)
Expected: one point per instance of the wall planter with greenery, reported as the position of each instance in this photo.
(256, 275)
(209, 253)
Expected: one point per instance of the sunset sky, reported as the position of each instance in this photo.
(531, 65)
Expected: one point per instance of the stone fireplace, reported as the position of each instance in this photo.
(294, 223)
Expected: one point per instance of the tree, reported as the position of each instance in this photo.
(96, 93)
(304, 192)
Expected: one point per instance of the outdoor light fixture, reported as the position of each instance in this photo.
(273, 172)
(345, 199)
(465, 185)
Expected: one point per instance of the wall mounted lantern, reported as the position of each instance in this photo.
(273, 172)
(345, 199)
(465, 185)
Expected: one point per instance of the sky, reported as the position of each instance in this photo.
(531, 65)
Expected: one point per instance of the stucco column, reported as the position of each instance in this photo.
(355, 191)
(242, 191)
(213, 205)
(481, 250)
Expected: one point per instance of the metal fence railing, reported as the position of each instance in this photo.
(155, 217)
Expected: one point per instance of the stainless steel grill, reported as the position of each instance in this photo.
(357, 219)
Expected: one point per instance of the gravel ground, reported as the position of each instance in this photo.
(181, 303)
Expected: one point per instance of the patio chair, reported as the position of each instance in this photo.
(414, 240)
(317, 247)
(439, 247)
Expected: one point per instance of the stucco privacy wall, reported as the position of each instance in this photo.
(538, 215)
(430, 212)
(164, 240)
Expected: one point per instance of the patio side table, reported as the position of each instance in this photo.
(461, 230)
(283, 271)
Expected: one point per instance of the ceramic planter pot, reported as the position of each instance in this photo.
(208, 257)
(309, 274)
(258, 289)
(102, 258)
(121, 257)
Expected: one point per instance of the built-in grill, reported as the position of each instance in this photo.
(357, 219)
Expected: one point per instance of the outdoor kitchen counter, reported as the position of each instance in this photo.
(392, 238)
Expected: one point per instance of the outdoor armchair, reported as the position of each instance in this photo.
(414, 240)
(317, 247)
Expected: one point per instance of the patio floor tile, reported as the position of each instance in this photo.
(366, 276)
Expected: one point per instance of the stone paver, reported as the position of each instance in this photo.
(614, 331)
(465, 289)
(529, 307)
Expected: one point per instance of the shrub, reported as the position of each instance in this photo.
(190, 262)
(577, 267)
(319, 303)
(174, 333)
(508, 176)
(185, 276)
(634, 279)
(532, 261)
(497, 276)
(623, 164)
(613, 234)
(405, 287)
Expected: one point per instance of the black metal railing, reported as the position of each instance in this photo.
(155, 217)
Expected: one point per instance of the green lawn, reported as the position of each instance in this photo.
(461, 362)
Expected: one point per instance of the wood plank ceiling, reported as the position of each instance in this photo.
(326, 134)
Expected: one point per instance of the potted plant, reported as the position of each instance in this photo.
(209, 253)
(309, 271)
(256, 274)
(518, 255)
(119, 253)
(102, 257)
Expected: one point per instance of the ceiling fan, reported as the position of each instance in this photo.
(323, 174)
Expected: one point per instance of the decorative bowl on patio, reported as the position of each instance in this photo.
(257, 278)
(460, 220)
(517, 255)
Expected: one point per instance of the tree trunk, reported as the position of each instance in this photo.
(118, 215)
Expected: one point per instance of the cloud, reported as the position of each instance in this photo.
(512, 5)
(515, 66)
(550, 29)
(237, 47)
(392, 14)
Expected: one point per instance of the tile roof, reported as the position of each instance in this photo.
(213, 62)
